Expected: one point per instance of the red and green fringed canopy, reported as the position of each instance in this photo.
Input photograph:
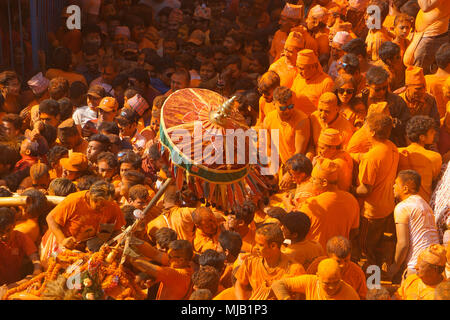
(198, 157)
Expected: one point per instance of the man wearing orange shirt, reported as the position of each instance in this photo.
(328, 116)
(340, 249)
(310, 83)
(290, 17)
(377, 36)
(330, 147)
(241, 221)
(333, 212)
(436, 81)
(430, 267)
(317, 27)
(377, 172)
(257, 273)
(431, 32)
(207, 230)
(285, 66)
(291, 123)
(268, 82)
(326, 285)
(421, 132)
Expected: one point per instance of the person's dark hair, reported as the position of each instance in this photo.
(377, 75)
(101, 138)
(388, 51)
(121, 80)
(272, 232)
(411, 176)
(85, 182)
(56, 153)
(153, 152)
(296, 222)
(134, 177)
(356, 46)
(65, 109)
(49, 106)
(164, 237)
(417, 126)
(62, 187)
(7, 217)
(384, 8)
(443, 56)
(126, 117)
(380, 124)
(212, 258)
(300, 163)
(49, 133)
(36, 203)
(201, 294)
(58, 88)
(182, 245)
(411, 8)
(339, 246)
(10, 156)
(14, 119)
(133, 158)
(231, 241)
(128, 212)
(350, 63)
(245, 212)
(141, 76)
(243, 83)
(262, 59)
(232, 59)
(206, 277)
(282, 94)
(102, 189)
(109, 127)
(138, 192)
(5, 192)
(108, 157)
(398, 3)
(77, 90)
(90, 28)
(62, 58)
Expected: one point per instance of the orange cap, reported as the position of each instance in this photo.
(329, 99)
(380, 107)
(295, 39)
(108, 104)
(306, 56)
(330, 137)
(414, 76)
(292, 11)
(75, 162)
(325, 169)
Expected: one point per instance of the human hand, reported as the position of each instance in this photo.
(69, 242)
(286, 181)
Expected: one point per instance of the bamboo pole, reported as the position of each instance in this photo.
(22, 200)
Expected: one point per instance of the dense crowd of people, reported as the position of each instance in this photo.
(361, 104)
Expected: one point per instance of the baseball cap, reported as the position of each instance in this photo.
(108, 104)
(96, 91)
(75, 162)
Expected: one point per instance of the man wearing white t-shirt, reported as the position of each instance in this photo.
(414, 222)
(83, 115)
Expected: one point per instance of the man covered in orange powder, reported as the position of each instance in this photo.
(207, 229)
(291, 123)
(327, 284)
(328, 116)
(340, 249)
(257, 273)
(330, 147)
(285, 66)
(421, 131)
(310, 83)
(333, 212)
(430, 268)
(268, 82)
(419, 102)
(290, 17)
(435, 82)
(316, 24)
(241, 221)
(377, 34)
(377, 172)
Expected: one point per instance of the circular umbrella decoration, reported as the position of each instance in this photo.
(209, 147)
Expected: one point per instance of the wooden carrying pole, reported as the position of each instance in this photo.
(22, 200)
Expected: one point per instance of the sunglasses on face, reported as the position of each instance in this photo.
(347, 91)
(290, 107)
